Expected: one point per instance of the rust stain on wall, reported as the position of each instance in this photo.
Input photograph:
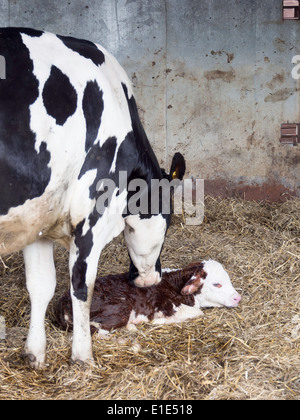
(280, 44)
(269, 191)
(280, 95)
(230, 56)
(226, 76)
(278, 78)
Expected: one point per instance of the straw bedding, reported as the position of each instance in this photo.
(250, 352)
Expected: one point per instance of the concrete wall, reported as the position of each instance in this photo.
(213, 80)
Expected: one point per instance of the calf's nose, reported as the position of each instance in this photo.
(237, 298)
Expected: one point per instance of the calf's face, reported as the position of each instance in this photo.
(217, 288)
(212, 288)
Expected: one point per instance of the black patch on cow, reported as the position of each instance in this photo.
(59, 96)
(24, 172)
(84, 244)
(85, 48)
(147, 166)
(14, 30)
(100, 158)
(92, 105)
(78, 279)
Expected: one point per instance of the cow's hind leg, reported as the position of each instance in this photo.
(40, 282)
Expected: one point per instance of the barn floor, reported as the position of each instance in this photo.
(251, 352)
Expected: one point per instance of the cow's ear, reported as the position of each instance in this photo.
(177, 170)
(192, 285)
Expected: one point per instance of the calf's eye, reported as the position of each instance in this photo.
(218, 285)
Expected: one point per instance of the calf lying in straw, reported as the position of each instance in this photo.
(179, 296)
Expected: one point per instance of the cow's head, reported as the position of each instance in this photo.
(145, 233)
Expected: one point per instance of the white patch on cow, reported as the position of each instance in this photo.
(59, 138)
(217, 288)
(78, 201)
(118, 203)
(112, 222)
(182, 313)
(144, 239)
(116, 74)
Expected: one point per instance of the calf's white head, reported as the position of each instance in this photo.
(212, 287)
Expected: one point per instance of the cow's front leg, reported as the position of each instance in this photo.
(83, 275)
(82, 340)
(40, 282)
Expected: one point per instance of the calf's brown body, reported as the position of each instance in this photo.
(115, 298)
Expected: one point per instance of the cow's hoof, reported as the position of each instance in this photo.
(88, 363)
(32, 361)
(147, 281)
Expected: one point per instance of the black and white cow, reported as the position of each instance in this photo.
(68, 120)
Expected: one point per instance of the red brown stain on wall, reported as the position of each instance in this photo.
(268, 191)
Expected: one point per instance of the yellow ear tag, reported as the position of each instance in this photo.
(174, 175)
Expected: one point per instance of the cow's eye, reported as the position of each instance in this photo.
(218, 285)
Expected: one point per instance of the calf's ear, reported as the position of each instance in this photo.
(195, 263)
(192, 285)
(177, 170)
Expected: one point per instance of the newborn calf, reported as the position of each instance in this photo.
(179, 296)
